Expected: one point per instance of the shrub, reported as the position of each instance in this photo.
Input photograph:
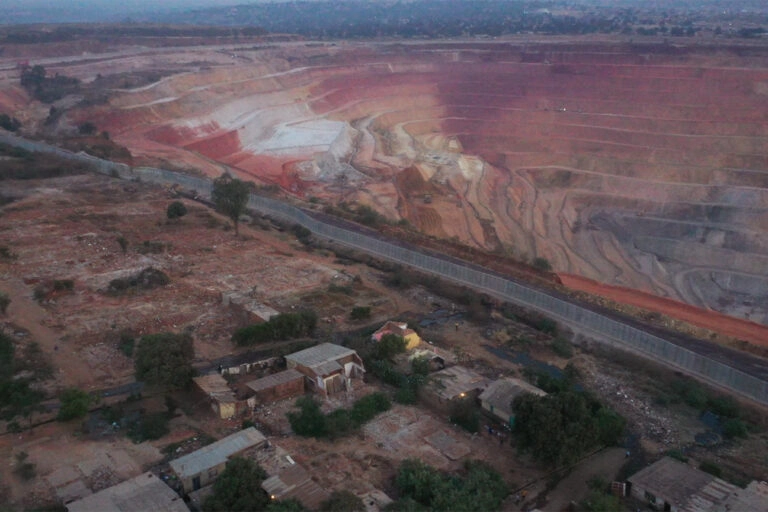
(677, 455)
(285, 326)
(149, 427)
(562, 348)
(24, 469)
(547, 326)
(126, 343)
(74, 404)
(724, 406)
(165, 359)
(176, 210)
(123, 242)
(734, 427)
(360, 313)
(388, 346)
(310, 420)
(87, 128)
(542, 264)
(9, 123)
(5, 301)
(711, 468)
(63, 285)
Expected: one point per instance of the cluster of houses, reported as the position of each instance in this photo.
(326, 369)
(196, 471)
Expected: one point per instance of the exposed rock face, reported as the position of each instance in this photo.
(639, 166)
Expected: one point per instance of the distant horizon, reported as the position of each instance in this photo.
(18, 12)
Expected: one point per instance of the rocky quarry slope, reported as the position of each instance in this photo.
(638, 165)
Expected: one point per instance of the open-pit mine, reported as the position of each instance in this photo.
(641, 166)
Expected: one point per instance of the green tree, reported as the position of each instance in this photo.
(74, 404)
(558, 428)
(87, 128)
(342, 501)
(310, 420)
(165, 360)
(388, 346)
(123, 242)
(360, 313)
(230, 195)
(238, 488)
(176, 210)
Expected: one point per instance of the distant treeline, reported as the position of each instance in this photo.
(70, 33)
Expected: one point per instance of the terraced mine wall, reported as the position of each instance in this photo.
(702, 360)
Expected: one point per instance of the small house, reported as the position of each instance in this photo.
(278, 386)
(498, 396)
(145, 492)
(220, 396)
(674, 486)
(452, 385)
(327, 368)
(200, 468)
(295, 482)
(412, 339)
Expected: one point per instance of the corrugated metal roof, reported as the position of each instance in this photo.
(145, 492)
(454, 381)
(675, 482)
(216, 453)
(295, 482)
(319, 354)
(276, 379)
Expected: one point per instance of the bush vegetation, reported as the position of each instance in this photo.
(285, 326)
(176, 210)
(421, 487)
(48, 88)
(360, 313)
(148, 427)
(310, 421)
(17, 396)
(238, 488)
(557, 429)
(23, 468)
(5, 301)
(74, 404)
(165, 360)
(9, 123)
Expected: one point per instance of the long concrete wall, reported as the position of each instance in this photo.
(751, 383)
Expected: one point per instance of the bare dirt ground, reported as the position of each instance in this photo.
(67, 229)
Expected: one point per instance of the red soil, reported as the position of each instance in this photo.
(712, 320)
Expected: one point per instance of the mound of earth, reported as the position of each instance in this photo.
(636, 165)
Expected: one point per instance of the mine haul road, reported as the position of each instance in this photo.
(738, 372)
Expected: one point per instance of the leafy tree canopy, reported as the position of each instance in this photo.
(176, 210)
(165, 359)
(230, 195)
(74, 404)
(558, 428)
(238, 488)
(479, 488)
